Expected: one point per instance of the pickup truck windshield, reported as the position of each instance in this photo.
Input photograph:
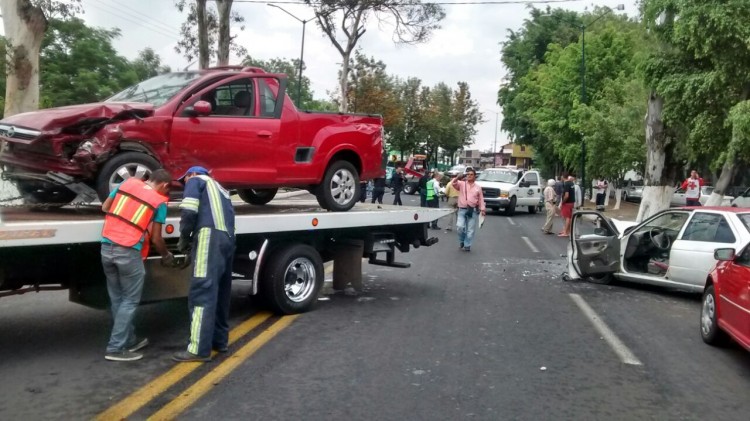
(157, 90)
(499, 176)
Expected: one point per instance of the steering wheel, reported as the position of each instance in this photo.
(659, 238)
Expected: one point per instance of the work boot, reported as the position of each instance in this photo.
(186, 357)
(123, 356)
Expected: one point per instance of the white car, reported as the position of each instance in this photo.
(672, 248)
(678, 198)
(509, 188)
(743, 200)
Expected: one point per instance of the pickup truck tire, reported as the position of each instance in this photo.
(510, 210)
(339, 191)
(121, 167)
(257, 196)
(410, 188)
(51, 196)
(532, 209)
(292, 279)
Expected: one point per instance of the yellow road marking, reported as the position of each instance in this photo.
(174, 408)
(156, 387)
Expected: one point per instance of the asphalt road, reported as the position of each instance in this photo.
(493, 334)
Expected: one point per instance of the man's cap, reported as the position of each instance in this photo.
(195, 169)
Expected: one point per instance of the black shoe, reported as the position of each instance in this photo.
(139, 344)
(123, 356)
(467, 248)
(185, 357)
(221, 349)
(461, 246)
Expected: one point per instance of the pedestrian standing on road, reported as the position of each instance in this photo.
(692, 186)
(566, 207)
(397, 182)
(363, 191)
(550, 205)
(378, 190)
(601, 193)
(578, 193)
(422, 183)
(135, 211)
(559, 184)
(452, 194)
(470, 205)
(433, 194)
(207, 231)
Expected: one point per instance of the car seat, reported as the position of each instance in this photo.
(242, 103)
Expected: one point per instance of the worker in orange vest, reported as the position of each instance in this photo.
(135, 211)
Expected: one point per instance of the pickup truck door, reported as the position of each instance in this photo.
(237, 140)
(529, 190)
(595, 245)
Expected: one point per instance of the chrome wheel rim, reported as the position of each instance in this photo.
(708, 314)
(299, 279)
(343, 186)
(125, 171)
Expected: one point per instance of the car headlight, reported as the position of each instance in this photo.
(503, 194)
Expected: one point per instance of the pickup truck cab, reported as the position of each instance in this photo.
(236, 121)
(510, 187)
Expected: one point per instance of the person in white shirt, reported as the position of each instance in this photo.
(601, 193)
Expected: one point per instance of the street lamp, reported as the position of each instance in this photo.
(583, 89)
(302, 51)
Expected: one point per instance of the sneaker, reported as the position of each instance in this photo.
(123, 356)
(140, 343)
(221, 349)
(185, 356)
(467, 248)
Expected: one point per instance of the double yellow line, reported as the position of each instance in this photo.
(156, 387)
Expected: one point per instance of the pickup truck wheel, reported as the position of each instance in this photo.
(51, 195)
(532, 209)
(122, 167)
(510, 210)
(292, 279)
(410, 188)
(257, 196)
(340, 189)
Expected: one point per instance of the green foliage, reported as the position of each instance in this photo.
(291, 69)
(702, 71)
(188, 44)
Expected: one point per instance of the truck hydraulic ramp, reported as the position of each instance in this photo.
(281, 249)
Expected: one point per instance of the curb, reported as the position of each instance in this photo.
(291, 194)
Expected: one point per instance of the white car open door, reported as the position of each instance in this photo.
(594, 248)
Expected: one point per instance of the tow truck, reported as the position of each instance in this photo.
(281, 250)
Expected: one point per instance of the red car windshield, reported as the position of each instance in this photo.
(157, 90)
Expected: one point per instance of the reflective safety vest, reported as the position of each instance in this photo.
(430, 192)
(131, 213)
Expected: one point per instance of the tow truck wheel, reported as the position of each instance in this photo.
(257, 196)
(340, 188)
(122, 167)
(45, 193)
(292, 279)
(410, 188)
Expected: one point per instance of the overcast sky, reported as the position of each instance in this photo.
(466, 48)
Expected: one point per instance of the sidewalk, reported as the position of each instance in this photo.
(628, 210)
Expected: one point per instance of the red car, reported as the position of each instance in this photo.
(236, 121)
(726, 299)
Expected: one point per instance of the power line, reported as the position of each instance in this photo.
(139, 23)
(135, 14)
(313, 3)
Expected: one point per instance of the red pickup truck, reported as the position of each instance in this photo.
(236, 121)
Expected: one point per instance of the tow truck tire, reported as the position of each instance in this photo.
(410, 188)
(45, 193)
(257, 196)
(292, 279)
(122, 166)
(340, 189)
(510, 210)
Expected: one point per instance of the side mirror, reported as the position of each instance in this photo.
(524, 184)
(200, 108)
(724, 254)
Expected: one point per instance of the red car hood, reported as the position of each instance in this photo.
(55, 119)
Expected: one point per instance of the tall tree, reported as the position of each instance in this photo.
(148, 64)
(206, 32)
(25, 22)
(413, 22)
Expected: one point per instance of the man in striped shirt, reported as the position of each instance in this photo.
(207, 228)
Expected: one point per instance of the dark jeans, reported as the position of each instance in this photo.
(377, 194)
(397, 196)
(422, 198)
(693, 202)
(434, 203)
(600, 199)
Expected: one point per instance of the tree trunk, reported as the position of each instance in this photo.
(727, 174)
(25, 25)
(618, 198)
(658, 189)
(225, 10)
(200, 14)
(344, 82)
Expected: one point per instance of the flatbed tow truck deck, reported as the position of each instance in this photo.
(281, 248)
